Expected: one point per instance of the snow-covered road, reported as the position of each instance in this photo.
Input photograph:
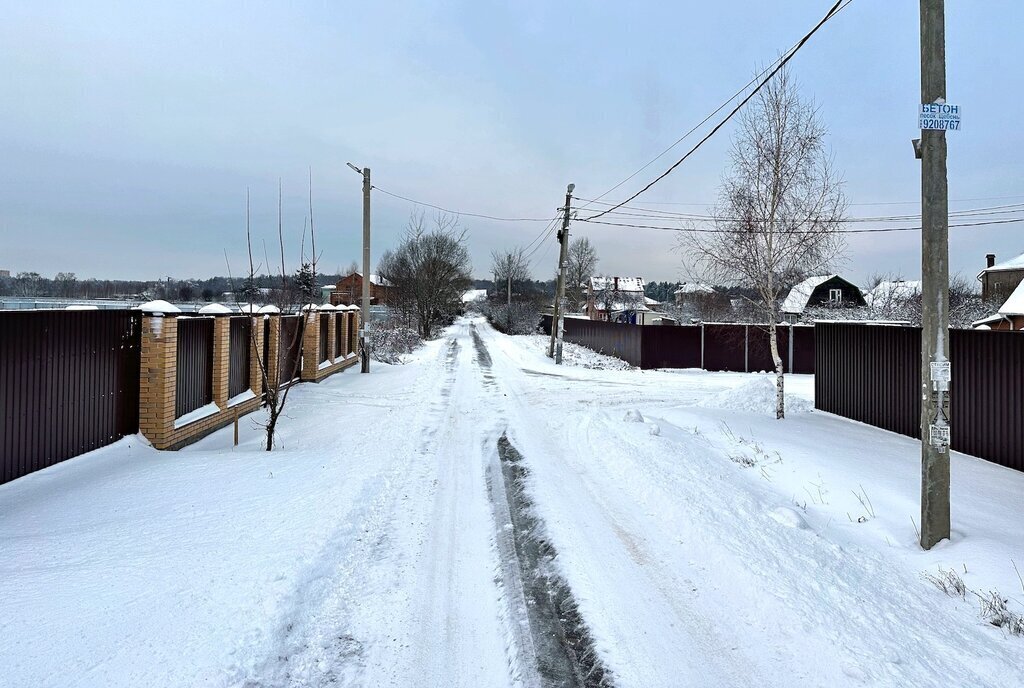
(705, 543)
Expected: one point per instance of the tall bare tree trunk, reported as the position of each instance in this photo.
(780, 396)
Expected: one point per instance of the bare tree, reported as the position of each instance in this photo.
(780, 209)
(276, 387)
(65, 283)
(582, 263)
(510, 270)
(430, 271)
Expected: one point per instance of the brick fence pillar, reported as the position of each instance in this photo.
(354, 328)
(256, 355)
(310, 345)
(158, 378)
(221, 359)
(273, 349)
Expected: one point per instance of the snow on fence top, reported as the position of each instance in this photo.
(158, 307)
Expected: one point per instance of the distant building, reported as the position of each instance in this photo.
(5, 273)
(822, 290)
(890, 293)
(616, 299)
(998, 280)
(349, 291)
(1010, 315)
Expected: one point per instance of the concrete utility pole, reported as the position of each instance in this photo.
(558, 316)
(935, 377)
(364, 316)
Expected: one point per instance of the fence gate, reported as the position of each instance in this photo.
(69, 383)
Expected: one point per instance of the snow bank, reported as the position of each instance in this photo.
(755, 396)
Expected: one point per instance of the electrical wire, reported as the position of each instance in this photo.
(459, 212)
(839, 231)
(653, 213)
(701, 123)
(779, 65)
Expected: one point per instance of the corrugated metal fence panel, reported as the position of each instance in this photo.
(611, 339)
(289, 349)
(339, 339)
(803, 349)
(988, 395)
(724, 347)
(69, 383)
(872, 374)
(670, 346)
(325, 334)
(194, 384)
(239, 355)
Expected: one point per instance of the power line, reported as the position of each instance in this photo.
(651, 214)
(863, 203)
(781, 63)
(839, 231)
(704, 121)
(461, 213)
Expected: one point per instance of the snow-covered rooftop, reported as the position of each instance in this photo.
(1015, 304)
(474, 295)
(890, 291)
(796, 301)
(1012, 264)
(694, 288)
(376, 279)
(624, 283)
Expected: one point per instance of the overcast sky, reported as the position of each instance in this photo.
(129, 132)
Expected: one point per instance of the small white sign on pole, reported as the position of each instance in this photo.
(941, 116)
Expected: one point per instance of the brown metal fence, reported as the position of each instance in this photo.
(339, 339)
(712, 346)
(289, 349)
(194, 385)
(69, 383)
(872, 374)
(239, 355)
(325, 337)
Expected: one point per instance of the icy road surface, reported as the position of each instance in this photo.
(704, 543)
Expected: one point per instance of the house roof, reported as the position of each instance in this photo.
(1015, 304)
(374, 279)
(796, 300)
(625, 283)
(892, 290)
(1012, 264)
(474, 295)
(694, 288)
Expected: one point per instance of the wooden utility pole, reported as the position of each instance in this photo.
(558, 315)
(935, 377)
(364, 348)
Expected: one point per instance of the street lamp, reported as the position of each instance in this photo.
(364, 351)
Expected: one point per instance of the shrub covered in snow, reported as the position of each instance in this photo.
(519, 317)
(390, 340)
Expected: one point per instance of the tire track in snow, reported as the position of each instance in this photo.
(554, 644)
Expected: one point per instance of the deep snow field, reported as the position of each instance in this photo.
(706, 543)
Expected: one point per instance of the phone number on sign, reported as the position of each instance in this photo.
(944, 124)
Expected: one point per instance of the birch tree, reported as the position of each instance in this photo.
(780, 210)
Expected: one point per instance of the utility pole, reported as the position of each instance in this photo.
(935, 374)
(558, 315)
(364, 316)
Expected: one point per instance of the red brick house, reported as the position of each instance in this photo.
(349, 291)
